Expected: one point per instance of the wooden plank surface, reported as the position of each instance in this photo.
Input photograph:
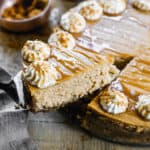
(43, 130)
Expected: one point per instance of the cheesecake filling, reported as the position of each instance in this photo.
(143, 5)
(113, 101)
(62, 40)
(90, 10)
(40, 74)
(73, 22)
(143, 106)
(114, 7)
(35, 51)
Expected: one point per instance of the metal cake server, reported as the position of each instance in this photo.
(14, 87)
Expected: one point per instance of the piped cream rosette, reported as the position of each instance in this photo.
(114, 7)
(35, 51)
(113, 101)
(40, 74)
(143, 5)
(62, 40)
(90, 10)
(143, 106)
(73, 22)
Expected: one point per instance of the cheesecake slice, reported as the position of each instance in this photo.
(65, 73)
(121, 112)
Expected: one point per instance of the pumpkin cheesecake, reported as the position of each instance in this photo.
(64, 73)
(121, 112)
(89, 42)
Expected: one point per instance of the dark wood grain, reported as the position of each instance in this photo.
(46, 130)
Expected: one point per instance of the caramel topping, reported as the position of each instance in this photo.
(134, 80)
(69, 63)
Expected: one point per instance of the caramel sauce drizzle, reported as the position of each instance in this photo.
(135, 79)
(69, 63)
(95, 36)
(89, 46)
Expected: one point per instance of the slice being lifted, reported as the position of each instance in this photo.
(67, 75)
(122, 110)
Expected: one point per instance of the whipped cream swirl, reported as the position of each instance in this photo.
(143, 5)
(143, 106)
(40, 74)
(90, 10)
(113, 101)
(114, 7)
(62, 40)
(35, 51)
(73, 22)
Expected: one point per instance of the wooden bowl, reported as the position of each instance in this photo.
(26, 24)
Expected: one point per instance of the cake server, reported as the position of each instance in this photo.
(14, 87)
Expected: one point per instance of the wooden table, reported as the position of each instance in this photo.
(47, 130)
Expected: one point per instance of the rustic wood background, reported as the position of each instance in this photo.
(23, 130)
